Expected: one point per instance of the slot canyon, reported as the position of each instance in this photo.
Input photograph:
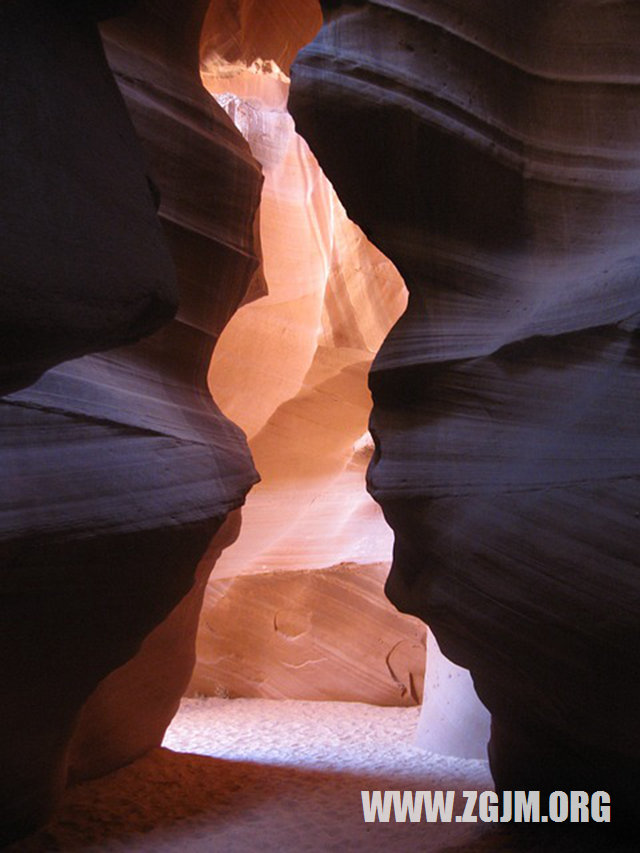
(319, 367)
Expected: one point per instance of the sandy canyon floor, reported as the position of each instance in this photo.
(252, 774)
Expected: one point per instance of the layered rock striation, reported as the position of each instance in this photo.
(118, 468)
(492, 154)
(291, 369)
(322, 634)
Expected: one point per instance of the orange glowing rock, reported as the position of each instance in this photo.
(291, 369)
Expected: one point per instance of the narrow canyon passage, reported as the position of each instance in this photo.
(295, 607)
(194, 330)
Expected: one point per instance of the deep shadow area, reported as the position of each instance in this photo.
(169, 801)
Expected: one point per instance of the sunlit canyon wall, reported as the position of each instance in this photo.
(118, 469)
(296, 608)
(491, 151)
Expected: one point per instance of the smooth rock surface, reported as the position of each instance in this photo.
(119, 468)
(84, 263)
(322, 634)
(453, 721)
(291, 369)
(492, 154)
(128, 712)
(241, 32)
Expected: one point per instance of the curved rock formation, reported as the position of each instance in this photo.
(84, 265)
(291, 369)
(492, 153)
(117, 468)
(316, 634)
(239, 32)
(128, 712)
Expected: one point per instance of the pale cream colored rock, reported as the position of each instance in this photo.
(453, 721)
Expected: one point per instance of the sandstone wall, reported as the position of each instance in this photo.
(291, 369)
(118, 468)
(491, 151)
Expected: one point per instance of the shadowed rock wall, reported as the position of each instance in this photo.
(491, 151)
(84, 265)
(117, 468)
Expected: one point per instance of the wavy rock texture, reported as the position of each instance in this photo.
(492, 154)
(119, 468)
(312, 635)
(243, 31)
(291, 370)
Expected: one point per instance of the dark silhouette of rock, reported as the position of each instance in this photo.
(84, 263)
(118, 468)
(491, 151)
